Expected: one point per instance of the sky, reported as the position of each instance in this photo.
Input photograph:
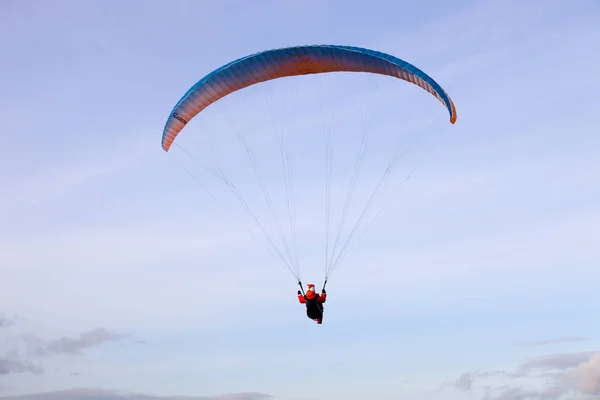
(120, 277)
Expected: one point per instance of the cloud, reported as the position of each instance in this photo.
(553, 341)
(519, 393)
(5, 322)
(559, 361)
(13, 366)
(68, 345)
(242, 396)
(74, 345)
(465, 381)
(28, 349)
(587, 375)
(548, 377)
(102, 394)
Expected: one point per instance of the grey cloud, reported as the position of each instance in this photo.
(102, 394)
(465, 381)
(555, 377)
(553, 341)
(519, 393)
(74, 345)
(31, 348)
(4, 322)
(241, 396)
(560, 361)
(11, 366)
(36, 346)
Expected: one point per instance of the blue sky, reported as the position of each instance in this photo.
(492, 242)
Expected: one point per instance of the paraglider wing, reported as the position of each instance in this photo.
(292, 61)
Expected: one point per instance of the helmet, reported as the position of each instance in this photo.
(310, 287)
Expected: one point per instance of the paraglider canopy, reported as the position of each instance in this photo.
(292, 61)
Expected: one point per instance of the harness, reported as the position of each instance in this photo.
(312, 303)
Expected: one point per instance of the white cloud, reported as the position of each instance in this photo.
(587, 375)
(551, 377)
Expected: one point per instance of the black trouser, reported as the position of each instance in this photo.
(314, 310)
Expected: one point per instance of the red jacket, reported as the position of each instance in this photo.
(310, 295)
